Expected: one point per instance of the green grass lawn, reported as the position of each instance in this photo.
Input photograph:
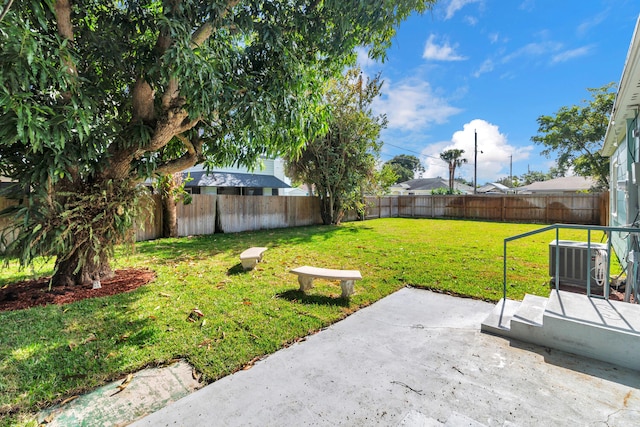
(50, 353)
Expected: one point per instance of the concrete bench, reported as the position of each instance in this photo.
(347, 278)
(251, 257)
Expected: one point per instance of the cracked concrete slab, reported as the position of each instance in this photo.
(147, 391)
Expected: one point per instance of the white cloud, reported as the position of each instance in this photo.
(550, 51)
(571, 54)
(532, 50)
(471, 20)
(527, 5)
(443, 52)
(411, 105)
(493, 153)
(456, 5)
(486, 67)
(586, 26)
(363, 58)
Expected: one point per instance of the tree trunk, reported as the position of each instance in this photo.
(337, 212)
(97, 219)
(325, 210)
(451, 178)
(170, 216)
(91, 271)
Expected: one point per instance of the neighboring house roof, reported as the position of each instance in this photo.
(494, 186)
(430, 184)
(231, 179)
(565, 184)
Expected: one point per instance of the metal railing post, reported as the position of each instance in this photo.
(607, 289)
(589, 263)
(557, 278)
(504, 272)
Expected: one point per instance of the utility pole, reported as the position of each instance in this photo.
(475, 162)
(511, 169)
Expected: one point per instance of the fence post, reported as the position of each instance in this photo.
(413, 206)
(464, 208)
(433, 209)
(546, 209)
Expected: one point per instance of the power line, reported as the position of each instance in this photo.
(411, 151)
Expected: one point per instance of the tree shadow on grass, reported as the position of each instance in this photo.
(74, 347)
(295, 295)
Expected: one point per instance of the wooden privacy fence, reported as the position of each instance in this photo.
(242, 213)
(208, 214)
(566, 208)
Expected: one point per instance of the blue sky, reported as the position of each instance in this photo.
(495, 66)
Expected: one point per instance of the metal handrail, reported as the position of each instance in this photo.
(606, 229)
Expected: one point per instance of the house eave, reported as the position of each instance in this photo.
(627, 102)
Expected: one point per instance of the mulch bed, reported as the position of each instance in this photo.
(31, 293)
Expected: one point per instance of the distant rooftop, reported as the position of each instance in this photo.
(563, 184)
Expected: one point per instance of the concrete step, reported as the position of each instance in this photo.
(592, 327)
(606, 330)
(527, 322)
(517, 319)
(499, 320)
(531, 310)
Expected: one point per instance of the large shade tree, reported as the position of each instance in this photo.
(453, 158)
(97, 96)
(575, 135)
(340, 164)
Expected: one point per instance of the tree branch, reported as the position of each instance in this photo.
(62, 10)
(176, 123)
(142, 98)
(201, 35)
(188, 159)
(5, 10)
(63, 19)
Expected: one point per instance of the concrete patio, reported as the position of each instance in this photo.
(415, 358)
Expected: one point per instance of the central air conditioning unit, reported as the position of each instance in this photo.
(574, 264)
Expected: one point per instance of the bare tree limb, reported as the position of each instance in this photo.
(5, 10)
(142, 97)
(201, 35)
(188, 159)
(63, 19)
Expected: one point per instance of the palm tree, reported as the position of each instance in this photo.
(454, 159)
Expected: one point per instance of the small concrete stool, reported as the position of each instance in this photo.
(347, 278)
(251, 257)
